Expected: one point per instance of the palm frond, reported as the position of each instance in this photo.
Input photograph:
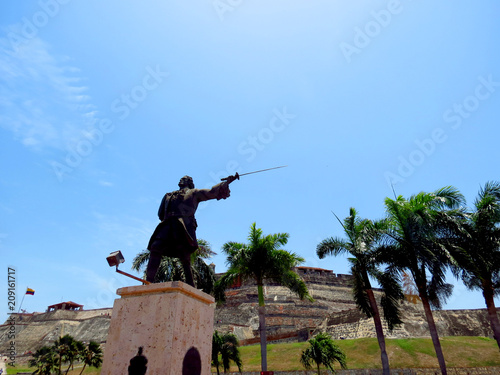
(140, 261)
(224, 283)
(392, 297)
(204, 249)
(332, 246)
(294, 282)
(359, 287)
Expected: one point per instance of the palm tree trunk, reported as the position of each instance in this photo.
(83, 369)
(70, 367)
(492, 310)
(380, 332)
(262, 329)
(433, 332)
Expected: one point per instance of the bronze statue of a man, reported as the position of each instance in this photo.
(175, 236)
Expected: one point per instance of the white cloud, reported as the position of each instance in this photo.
(100, 291)
(94, 280)
(123, 231)
(44, 103)
(106, 183)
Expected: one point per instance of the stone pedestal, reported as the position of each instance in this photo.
(172, 321)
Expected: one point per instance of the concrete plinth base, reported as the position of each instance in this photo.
(173, 322)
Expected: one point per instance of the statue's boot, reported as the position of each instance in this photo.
(186, 264)
(153, 265)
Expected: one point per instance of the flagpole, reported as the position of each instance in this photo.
(21, 303)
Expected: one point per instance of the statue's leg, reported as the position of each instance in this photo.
(153, 265)
(186, 264)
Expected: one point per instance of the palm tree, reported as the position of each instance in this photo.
(417, 241)
(76, 348)
(323, 351)
(361, 235)
(45, 360)
(171, 269)
(66, 349)
(225, 349)
(261, 259)
(478, 258)
(91, 355)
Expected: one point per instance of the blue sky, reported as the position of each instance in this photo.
(105, 105)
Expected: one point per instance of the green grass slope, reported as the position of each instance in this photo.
(364, 353)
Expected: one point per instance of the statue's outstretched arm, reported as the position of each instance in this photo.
(219, 191)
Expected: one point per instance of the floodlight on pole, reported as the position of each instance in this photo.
(115, 258)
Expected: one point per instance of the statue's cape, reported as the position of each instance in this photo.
(172, 238)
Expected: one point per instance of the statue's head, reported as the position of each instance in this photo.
(186, 182)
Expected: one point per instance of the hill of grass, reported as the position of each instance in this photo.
(364, 353)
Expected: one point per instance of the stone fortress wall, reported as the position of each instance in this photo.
(333, 311)
(353, 324)
(39, 329)
(285, 313)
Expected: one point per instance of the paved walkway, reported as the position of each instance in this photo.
(2, 365)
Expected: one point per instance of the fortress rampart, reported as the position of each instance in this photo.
(39, 329)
